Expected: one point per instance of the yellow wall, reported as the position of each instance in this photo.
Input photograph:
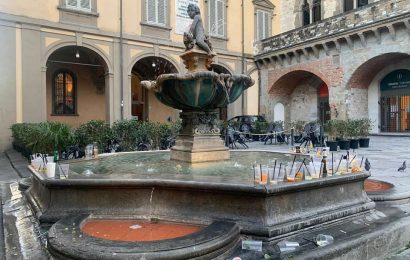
(41, 9)
(252, 95)
(109, 13)
(108, 19)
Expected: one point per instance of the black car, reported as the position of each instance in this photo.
(246, 123)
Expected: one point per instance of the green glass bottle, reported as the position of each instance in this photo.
(55, 155)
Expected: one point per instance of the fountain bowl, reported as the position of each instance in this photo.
(198, 91)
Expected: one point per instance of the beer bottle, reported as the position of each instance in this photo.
(324, 167)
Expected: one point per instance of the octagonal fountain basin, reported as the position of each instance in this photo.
(147, 185)
(103, 237)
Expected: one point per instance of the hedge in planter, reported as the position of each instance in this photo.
(93, 131)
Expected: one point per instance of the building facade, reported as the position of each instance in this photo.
(76, 60)
(339, 59)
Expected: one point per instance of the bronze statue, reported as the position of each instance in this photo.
(196, 34)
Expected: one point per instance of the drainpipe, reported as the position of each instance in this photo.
(243, 53)
(121, 65)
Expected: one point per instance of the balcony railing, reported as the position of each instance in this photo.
(354, 19)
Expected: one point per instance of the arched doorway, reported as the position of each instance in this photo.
(304, 95)
(223, 112)
(144, 105)
(75, 76)
(395, 101)
(324, 108)
(366, 96)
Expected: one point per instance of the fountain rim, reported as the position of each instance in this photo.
(258, 190)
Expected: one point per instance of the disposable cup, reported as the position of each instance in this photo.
(51, 170)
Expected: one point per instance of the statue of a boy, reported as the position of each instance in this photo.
(196, 34)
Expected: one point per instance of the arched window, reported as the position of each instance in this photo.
(361, 3)
(317, 10)
(64, 93)
(348, 5)
(306, 13)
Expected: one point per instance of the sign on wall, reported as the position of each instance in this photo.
(182, 21)
(396, 80)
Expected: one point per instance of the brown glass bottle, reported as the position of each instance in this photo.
(324, 167)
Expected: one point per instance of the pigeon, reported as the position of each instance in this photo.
(367, 165)
(402, 167)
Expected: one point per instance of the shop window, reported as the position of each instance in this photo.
(64, 93)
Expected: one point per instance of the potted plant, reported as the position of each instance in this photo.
(331, 129)
(364, 129)
(343, 133)
(353, 126)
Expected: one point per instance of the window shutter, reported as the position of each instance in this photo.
(212, 18)
(259, 25)
(71, 3)
(220, 18)
(85, 4)
(162, 8)
(266, 25)
(151, 14)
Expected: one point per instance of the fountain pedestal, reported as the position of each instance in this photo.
(199, 139)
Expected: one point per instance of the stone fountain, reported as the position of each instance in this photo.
(198, 93)
(227, 204)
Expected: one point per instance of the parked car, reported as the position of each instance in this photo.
(246, 123)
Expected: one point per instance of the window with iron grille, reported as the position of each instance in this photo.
(217, 18)
(64, 93)
(83, 5)
(306, 13)
(263, 24)
(156, 12)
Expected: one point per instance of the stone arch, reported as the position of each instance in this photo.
(298, 91)
(360, 77)
(294, 77)
(142, 104)
(225, 66)
(93, 48)
(95, 82)
(139, 57)
(251, 70)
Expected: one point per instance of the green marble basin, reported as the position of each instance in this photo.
(199, 91)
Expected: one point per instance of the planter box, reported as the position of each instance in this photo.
(354, 144)
(332, 145)
(344, 144)
(364, 142)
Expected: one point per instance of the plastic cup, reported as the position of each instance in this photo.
(323, 240)
(51, 170)
(264, 174)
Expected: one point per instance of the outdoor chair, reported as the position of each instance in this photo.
(235, 138)
(275, 130)
(310, 134)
